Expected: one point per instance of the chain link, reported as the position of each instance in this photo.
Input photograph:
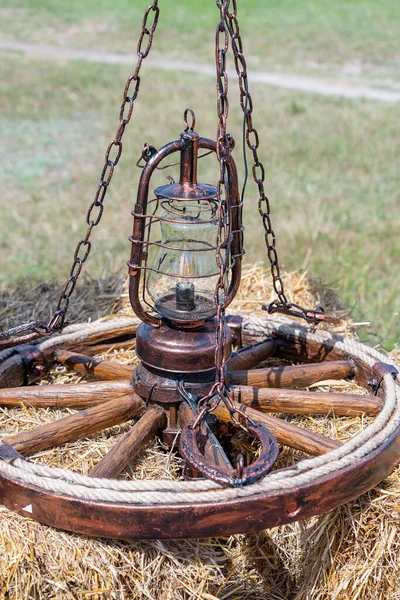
(112, 156)
(224, 144)
(253, 142)
(282, 304)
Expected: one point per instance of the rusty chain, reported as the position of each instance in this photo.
(95, 211)
(313, 316)
(228, 27)
(223, 153)
(224, 144)
(96, 208)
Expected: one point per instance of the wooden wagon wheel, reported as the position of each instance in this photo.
(104, 506)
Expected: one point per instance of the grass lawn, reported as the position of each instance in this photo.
(277, 33)
(332, 164)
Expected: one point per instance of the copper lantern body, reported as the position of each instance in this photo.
(174, 272)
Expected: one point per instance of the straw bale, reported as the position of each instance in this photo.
(31, 300)
(352, 553)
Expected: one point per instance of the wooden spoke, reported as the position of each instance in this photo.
(295, 349)
(306, 403)
(78, 425)
(75, 395)
(185, 415)
(251, 356)
(285, 433)
(100, 369)
(102, 337)
(293, 376)
(101, 348)
(119, 457)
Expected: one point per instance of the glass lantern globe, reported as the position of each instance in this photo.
(183, 273)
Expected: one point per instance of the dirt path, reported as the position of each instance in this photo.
(313, 85)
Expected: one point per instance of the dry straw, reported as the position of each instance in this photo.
(352, 553)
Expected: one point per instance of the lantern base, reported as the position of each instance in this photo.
(179, 350)
(168, 307)
(170, 355)
(161, 387)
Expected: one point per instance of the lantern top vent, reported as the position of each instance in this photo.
(188, 188)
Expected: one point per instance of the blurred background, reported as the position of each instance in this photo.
(326, 95)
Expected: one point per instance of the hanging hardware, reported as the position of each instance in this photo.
(251, 137)
(227, 27)
(96, 208)
(189, 276)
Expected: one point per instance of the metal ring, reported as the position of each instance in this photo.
(185, 121)
(232, 477)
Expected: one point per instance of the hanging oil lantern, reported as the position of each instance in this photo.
(175, 283)
(173, 280)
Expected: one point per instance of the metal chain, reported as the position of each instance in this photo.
(228, 26)
(95, 211)
(253, 142)
(96, 208)
(223, 149)
(258, 171)
(223, 154)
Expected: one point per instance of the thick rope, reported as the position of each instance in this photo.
(12, 368)
(305, 472)
(79, 332)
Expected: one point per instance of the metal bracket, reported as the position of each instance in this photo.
(235, 324)
(380, 369)
(8, 453)
(33, 361)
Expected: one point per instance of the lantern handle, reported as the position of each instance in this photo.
(139, 214)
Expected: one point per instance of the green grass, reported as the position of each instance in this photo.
(332, 164)
(277, 33)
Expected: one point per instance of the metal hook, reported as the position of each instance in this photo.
(147, 153)
(185, 119)
(241, 475)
